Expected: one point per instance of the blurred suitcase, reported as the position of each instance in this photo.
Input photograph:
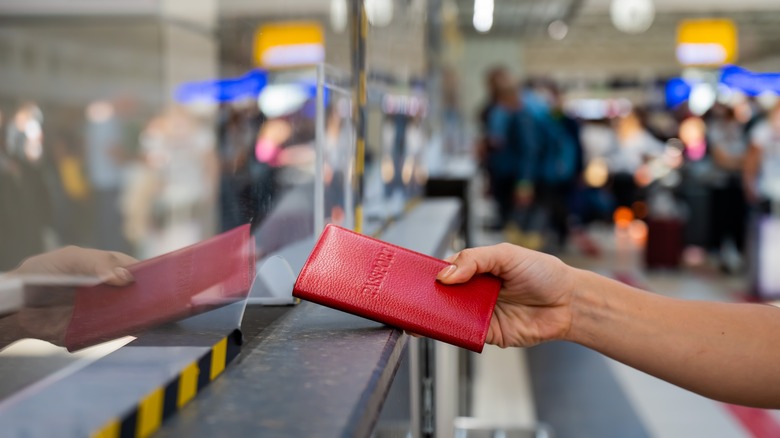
(664, 243)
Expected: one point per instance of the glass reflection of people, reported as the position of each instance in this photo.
(49, 322)
(71, 188)
(24, 196)
(235, 140)
(725, 351)
(107, 153)
(168, 196)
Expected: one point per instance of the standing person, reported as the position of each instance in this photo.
(512, 150)
(106, 156)
(761, 181)
(560, 158)
(26, 195)
(635, 146)
(483, 142)
(761, 175)
(728, 210)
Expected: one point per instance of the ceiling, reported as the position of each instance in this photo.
(530, 18)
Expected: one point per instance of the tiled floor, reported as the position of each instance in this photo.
(663, 409)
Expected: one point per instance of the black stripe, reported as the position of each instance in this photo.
(170, 397)
(205, 371)
(234, 342)
(129, 423)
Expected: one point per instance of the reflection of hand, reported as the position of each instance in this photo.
(50, 321)
(534, 303)
(109, 266)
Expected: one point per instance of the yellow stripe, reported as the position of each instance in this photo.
(150, 414)
(363, 97)
(218, 357)
(360, 164)
(358, 218)
(109, 430)
(364, 24)
(188, 384)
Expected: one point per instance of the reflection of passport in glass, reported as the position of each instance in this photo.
(396, 286)
(201, 277)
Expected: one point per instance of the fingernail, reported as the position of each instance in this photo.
(123, 274)
(446, 272)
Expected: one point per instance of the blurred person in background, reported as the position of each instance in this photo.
(25, 195)
(761, 177)
(728, 210)
(168, 199)
(492, 78)
(634, 148)
(107, 154)
(560, 158)
(235, 141)
(71, 188)
(452, 119)
(512, 149)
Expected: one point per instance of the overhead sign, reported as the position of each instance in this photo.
(707, 42)
(289, 44)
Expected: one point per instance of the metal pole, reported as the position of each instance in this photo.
(320, 144)
(359, 28)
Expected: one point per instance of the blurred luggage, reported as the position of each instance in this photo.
(664, 243)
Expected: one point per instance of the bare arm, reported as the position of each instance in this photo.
(727, 352)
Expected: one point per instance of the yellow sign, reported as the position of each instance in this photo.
(289, 44)
(707, 42)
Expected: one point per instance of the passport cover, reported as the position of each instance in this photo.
(182, 283)
(398, 287)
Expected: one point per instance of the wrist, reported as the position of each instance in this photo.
(584, 306)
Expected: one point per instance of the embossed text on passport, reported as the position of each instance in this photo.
(379, 268)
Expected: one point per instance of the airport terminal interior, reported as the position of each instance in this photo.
(168, 166)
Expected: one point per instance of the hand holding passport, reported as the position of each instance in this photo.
(396, 286)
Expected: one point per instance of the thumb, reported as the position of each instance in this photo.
(494, 259)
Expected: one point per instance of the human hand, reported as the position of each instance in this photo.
(108, 266)
(534, 303)
(48, 309)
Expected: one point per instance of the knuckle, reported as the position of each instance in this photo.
(505, 246)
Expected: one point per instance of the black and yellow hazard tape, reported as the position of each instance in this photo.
(149, 413)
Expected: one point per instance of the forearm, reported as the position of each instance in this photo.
(724, 351)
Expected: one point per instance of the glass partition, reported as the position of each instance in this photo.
(336, 148)
(396, 145)
(135, 131)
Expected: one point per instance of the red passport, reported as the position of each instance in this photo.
(396, 286)
(210, 274)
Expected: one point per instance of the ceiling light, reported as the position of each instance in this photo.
(338, 15)
(483, 15)
(379, 12)
(632, 16)
(558, 30)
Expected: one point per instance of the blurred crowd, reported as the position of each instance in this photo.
(114, 176)
(711, 177)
